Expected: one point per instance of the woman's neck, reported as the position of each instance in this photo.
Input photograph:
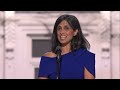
(66, 49)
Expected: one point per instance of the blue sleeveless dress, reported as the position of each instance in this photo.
(72, 65)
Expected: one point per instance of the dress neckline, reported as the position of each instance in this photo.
(76, 51)
(56, 56)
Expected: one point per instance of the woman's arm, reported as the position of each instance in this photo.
(43, 65)
(43, 78)
(88, 75)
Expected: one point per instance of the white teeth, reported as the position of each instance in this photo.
(62, 37)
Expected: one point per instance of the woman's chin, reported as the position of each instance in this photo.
(64, 43)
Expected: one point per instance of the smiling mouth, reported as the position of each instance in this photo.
(63, 37)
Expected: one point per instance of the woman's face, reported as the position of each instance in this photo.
(65, 33)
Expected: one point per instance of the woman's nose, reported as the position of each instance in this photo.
(62, 31)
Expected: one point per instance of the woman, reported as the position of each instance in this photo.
(76, 61)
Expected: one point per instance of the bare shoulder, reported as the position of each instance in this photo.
(49, 54)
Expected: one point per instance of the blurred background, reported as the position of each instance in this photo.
(25, 37)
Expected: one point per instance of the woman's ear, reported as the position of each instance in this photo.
(76, 31)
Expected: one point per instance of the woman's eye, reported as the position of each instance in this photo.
(67, 28)
(58, 28)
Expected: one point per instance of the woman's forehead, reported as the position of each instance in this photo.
(64, 22)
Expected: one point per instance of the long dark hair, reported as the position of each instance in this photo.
(78, 41)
